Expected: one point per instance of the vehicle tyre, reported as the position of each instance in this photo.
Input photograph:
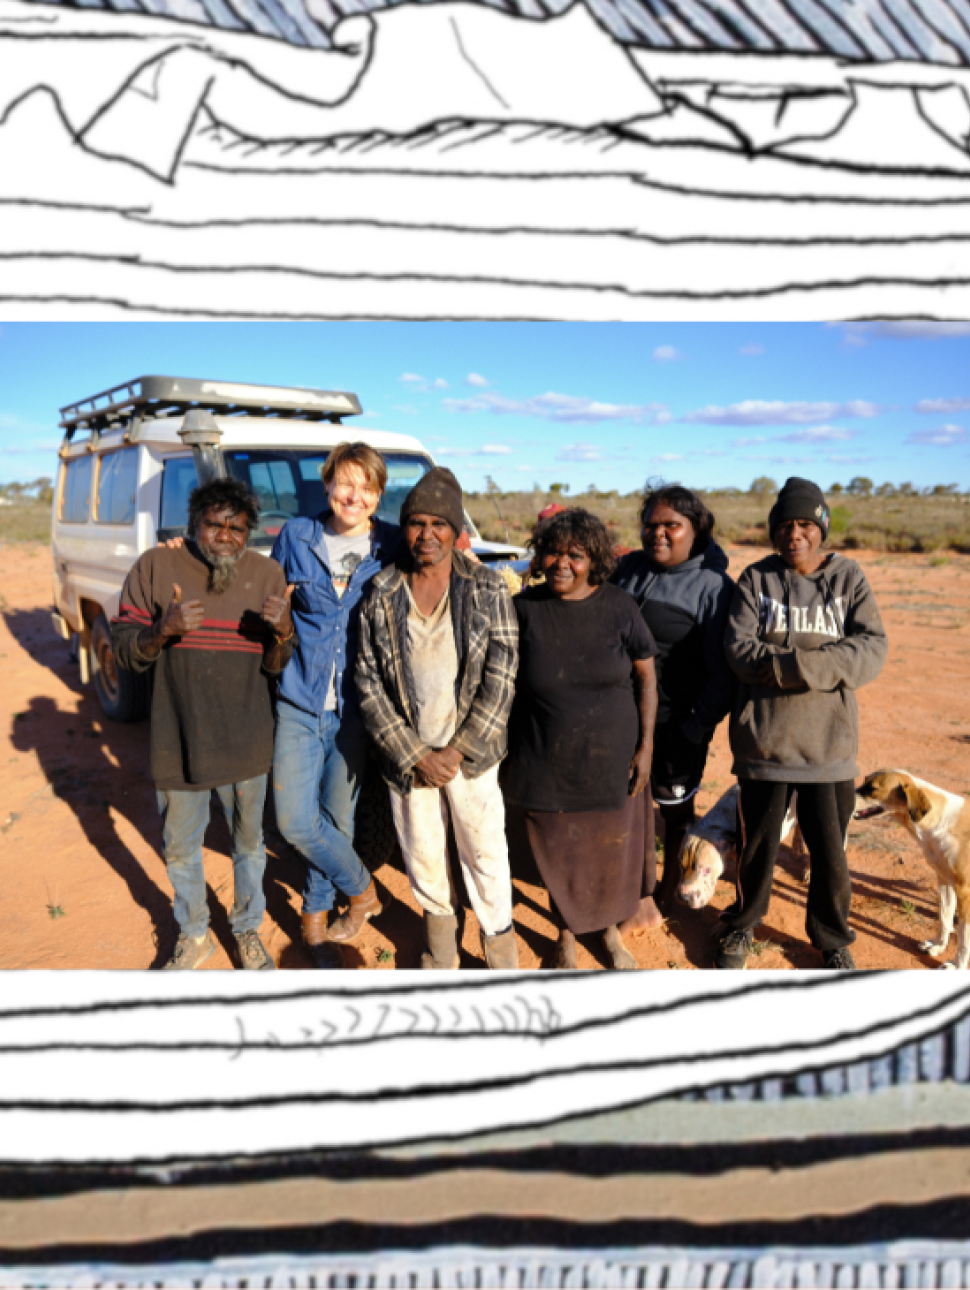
(374, 834)
(123, 695)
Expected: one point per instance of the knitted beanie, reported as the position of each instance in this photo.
(800, 499)
(436, 493)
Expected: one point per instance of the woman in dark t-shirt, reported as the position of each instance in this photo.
(581, 733)
(680, 582)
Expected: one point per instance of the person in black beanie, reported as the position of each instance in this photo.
(803, 635)
(436, 493)
(436, 677)
(800, 499)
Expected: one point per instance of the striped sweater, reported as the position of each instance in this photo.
(212, 717)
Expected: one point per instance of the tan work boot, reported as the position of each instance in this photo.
(441, 937)
(314, 927)
(501, 951)
(366, 905)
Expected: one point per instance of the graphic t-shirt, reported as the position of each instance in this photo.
(344, 554)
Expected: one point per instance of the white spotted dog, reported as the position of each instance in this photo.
(710, 845)
(940, 823)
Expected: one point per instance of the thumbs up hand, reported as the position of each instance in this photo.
(276, 613)
(181, 619)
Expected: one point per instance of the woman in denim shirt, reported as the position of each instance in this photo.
(321, 745)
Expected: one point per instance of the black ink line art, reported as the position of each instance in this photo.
(517, 159)
(598, 1131)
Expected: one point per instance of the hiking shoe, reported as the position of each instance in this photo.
(841, 960)
(190, 952)
(252, 953)
(733, 950)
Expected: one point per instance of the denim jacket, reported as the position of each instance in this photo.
(327, 625)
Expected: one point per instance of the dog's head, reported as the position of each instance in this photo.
(701, 866)
(895, 793)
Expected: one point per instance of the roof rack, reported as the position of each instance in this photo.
(163, 396)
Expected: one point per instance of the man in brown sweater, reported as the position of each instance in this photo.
(213, 619)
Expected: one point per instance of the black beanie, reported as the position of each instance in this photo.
(436, 493)
(800, 499)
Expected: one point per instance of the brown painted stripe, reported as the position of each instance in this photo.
(743, 1195)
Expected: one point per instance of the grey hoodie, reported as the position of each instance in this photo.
(800, 646)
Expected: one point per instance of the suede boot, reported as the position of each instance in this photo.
(441, 937)
(501, 951)
(366, 905)
(314, 927)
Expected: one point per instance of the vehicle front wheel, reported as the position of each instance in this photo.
(123, 695)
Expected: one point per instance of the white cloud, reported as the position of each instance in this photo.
(668, 456)
(441, 383)
(943, 437)
(486, 450)
(412, 378)
(860, 333)
(817, 434)
(755, 412)
(749, 441)
(579, 452)
(942, 407)
(666, 354)
(408, 409)
(563, 408)
(751, 351)
(473, 378)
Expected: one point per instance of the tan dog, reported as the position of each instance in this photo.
(710, 845)
(940, 823)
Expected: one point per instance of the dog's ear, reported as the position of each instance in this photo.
(917, 803)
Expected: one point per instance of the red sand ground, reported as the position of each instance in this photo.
(82, 884)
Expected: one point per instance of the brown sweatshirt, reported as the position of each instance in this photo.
(212, 716)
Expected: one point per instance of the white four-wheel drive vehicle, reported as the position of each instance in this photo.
(132, 455)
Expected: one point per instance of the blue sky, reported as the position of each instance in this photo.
(609, 404)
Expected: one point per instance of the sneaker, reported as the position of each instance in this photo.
(733, 950)
(191, 952)
(252, 953)
(840, 960)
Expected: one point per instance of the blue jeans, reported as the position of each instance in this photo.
(318, 768)
(185, 815)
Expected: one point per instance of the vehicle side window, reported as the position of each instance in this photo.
(178, 479)
(402, 474)
(117, 487)
(76, 490)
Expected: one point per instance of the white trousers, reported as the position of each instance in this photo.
(477, 813)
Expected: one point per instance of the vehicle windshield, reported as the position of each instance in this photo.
(287, 483)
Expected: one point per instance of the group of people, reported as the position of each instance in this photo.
(563, 715)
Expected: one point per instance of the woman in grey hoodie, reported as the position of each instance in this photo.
(803, 635)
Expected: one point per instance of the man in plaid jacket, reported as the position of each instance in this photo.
(436, 677)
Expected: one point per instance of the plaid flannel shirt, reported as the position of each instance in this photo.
(487, 639)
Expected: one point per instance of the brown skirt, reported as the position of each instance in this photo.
(591, 862)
